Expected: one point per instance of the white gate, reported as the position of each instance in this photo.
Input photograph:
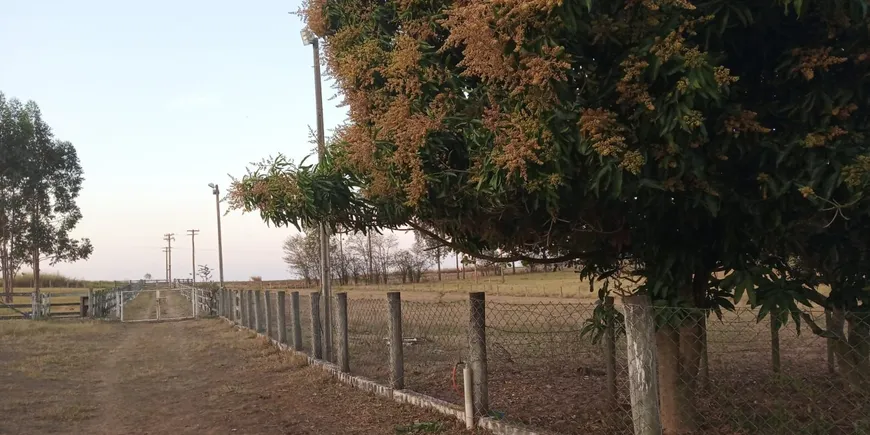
(158, 305)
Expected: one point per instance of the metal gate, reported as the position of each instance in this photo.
(158, 305)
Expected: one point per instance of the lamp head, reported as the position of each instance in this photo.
(308, 37)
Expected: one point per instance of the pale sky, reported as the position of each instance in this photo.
(160, 99)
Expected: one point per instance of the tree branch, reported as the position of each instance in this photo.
(508, 259)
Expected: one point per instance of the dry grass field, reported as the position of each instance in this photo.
(190, 377)
(561, 284)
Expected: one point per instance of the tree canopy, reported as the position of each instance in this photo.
(40, 181)
(702, 146)
(685, 135)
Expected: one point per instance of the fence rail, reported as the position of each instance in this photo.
(581, 368)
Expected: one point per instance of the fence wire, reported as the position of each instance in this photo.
(565, 367)
(436, 340)
(368, 338)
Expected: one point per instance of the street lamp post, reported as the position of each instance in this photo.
(217, 202)
(309, 38)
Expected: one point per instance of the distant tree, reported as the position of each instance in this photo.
(204, 272)
(433, 248)
(40, 180)
(147, 277)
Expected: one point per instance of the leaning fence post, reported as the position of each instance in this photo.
(343, 351)
(477, 354)
(258, 311)
(397, 352)
(297, 321)
(267, 306)
(642, 365)
(282, 321)
(316, 342)
(774, 341)
(610, 349)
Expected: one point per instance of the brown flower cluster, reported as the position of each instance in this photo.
(744, 123)
(516, 141)
(314, 13)
(607, 137)
(855, 174)
(655, 5)
(843, 113)
(723, 76)
(483, 31)
(812, 59)
(631, 87)
(814, 140)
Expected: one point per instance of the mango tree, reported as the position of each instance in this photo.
(684, 138)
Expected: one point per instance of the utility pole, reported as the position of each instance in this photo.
(215, 190)
(308, 38)
(169, 237)
(192, 234)
(166, 264)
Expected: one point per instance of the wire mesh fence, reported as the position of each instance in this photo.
(436, 341)
(582, 368)
(368, 338)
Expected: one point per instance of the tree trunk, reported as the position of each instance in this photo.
(438, 261)
(457, 267)
(679, 354)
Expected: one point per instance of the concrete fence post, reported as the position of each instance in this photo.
(774, 341)
(316, 339)
(250, 307)
(267, 305)
(642, 365)
(258, 311)
(829, 342)
(242, 309)
(477, 352)
(610, 350)
(343, 351)
(91, 303)
(297, 321)
(397, 352)
(237, 306)
(280, 317)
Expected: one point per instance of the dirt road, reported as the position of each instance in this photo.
(187, 377)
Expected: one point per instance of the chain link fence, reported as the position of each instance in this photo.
(618, 368)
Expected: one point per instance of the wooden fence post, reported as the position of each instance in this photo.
(397, 352)
(610, 349)
(774, 341)
(316, 342)
(258, 311)
(280, 317)
(642, 365)
(267, 304)
(297, 321)
(343, 351)
(477, 354)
